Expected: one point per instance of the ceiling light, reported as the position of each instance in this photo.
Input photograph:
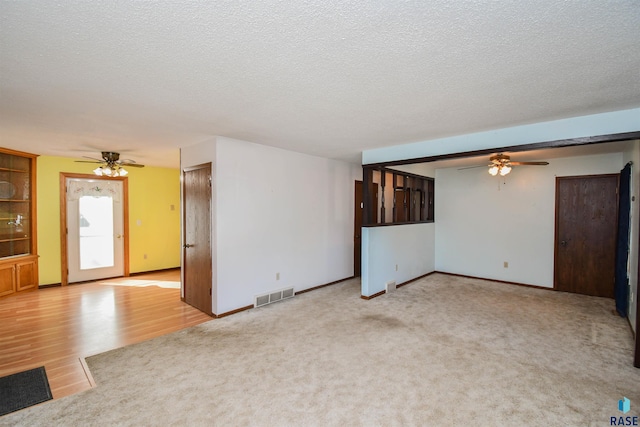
(500, 164)
(111, 165)
(505, 170)
(110, 170)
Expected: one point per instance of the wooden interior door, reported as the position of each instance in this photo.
(402, 205)
(357, 229)
(586, 229)
(197, 265)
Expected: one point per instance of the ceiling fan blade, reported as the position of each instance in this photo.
(130, 162)
(529, 163)
(472, 167)
(111, 159)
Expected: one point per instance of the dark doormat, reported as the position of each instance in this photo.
(24, 389)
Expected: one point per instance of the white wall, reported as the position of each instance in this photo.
(483, 221)
(410, 247)
(632, 154)
(276, 211)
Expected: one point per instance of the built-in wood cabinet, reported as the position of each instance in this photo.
(18, 247)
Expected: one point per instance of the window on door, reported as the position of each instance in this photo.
(96, 232)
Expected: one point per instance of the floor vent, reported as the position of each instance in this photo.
(390, 287)
(273, 297)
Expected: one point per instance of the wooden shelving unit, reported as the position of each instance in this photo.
(18, 243)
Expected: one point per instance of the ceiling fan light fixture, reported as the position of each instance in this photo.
(111, 165)
(505, 170)
(501, 164)
(112, 171)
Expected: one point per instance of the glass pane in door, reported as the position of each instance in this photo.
(96, 232)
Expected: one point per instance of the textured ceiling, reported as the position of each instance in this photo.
(324, 77)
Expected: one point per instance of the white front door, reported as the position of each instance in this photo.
(95, 229)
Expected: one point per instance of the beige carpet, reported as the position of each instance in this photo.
(440, 351)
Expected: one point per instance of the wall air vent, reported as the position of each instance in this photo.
(390, 286)
(261, 300)
(273, 296)
(288, 293)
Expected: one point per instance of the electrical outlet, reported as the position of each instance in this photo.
(173, 207)
(145, 256)
(396, 267)
(277, 276)
(506, 264)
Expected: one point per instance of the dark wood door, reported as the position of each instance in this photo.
(399, 205)
(403, 206)
(357, 229)
(586, 228)
(197, 237)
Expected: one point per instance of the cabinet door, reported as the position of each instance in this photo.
(26, 275)
(17, 210)
(7, 279)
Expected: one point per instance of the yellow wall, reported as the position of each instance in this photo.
(154, 228)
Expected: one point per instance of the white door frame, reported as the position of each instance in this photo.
(63, 220)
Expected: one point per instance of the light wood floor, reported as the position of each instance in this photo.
(58, 327)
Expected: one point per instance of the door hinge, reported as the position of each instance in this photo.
(209, 291)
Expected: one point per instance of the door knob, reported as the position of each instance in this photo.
(119, 236)
(563, 243)
(188, 246)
